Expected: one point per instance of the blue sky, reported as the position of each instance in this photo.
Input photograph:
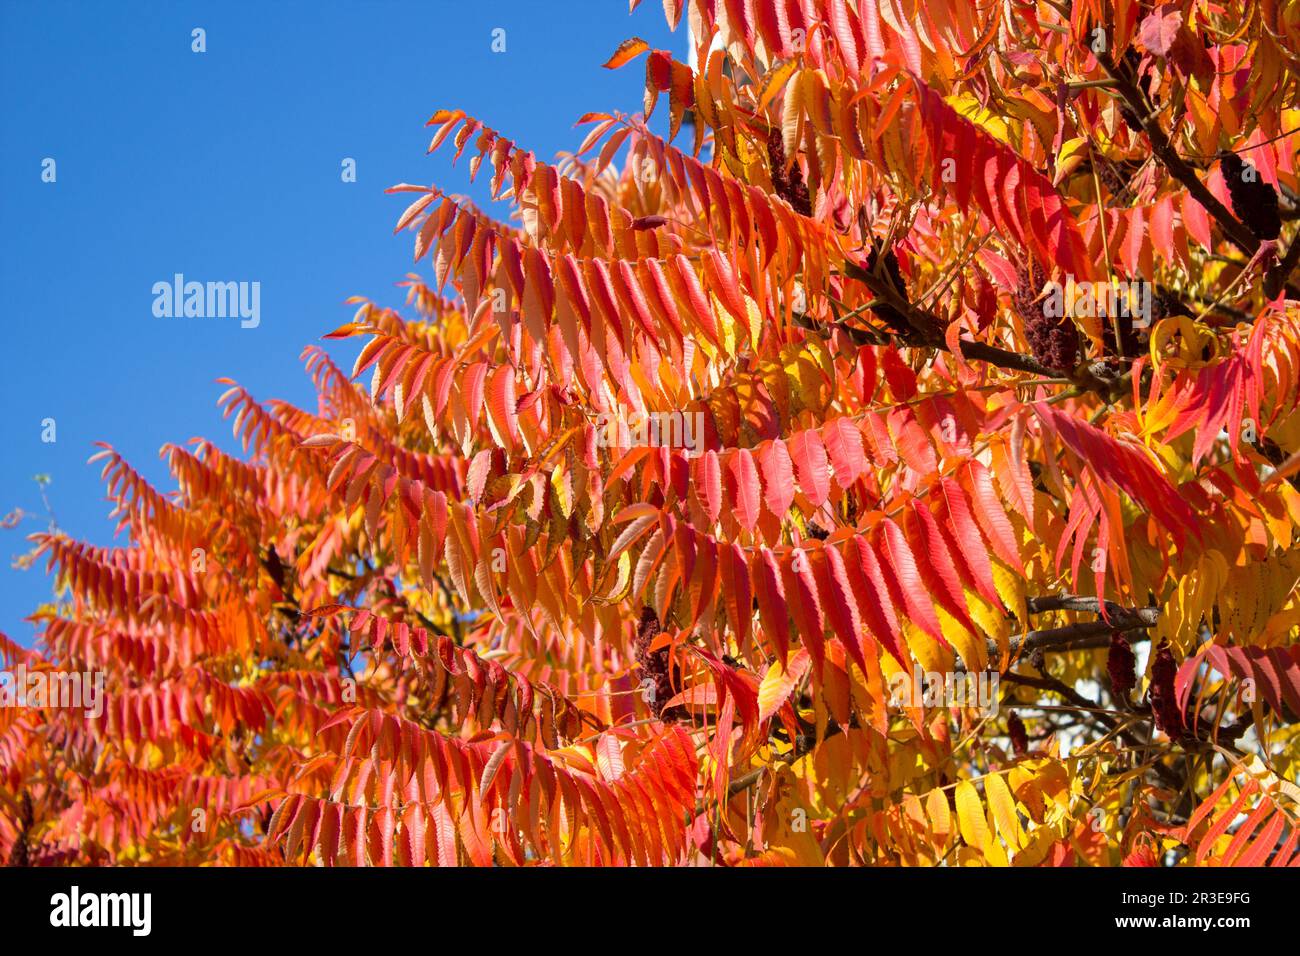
(225, 166)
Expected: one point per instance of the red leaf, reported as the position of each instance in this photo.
(627, 51)
(839, 18)
(748, 490)
(843, 441)
(725, 285)
(1160, 29)
(812, 466)
(711, 484)
(1127, 466)
(805, 605)
(936, 565)
(735, 585)
(778, 477)
(1197, 221)
(838, 602)
(903, 578)
(873, 598)
(766, 577)
(989, 515)
(911, 441)
(963, 536)
(1007, 187)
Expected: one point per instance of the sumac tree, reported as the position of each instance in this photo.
(896, 464)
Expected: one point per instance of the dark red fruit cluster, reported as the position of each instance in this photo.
(1054, 341)
(655, 665)
(1254, 201)
(1164, 702)
(1121, 666)
(1019, 737)
(789, 184)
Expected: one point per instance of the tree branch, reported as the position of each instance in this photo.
(1075, 636)
(1275, 280)
(927, 331)
(1169, 158)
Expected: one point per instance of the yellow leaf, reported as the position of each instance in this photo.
(778, 683)
(790, 822)
(970, 817)
(972, 649)
(968, 106)
(936, 807)
(562, 485)
(774, 82)
(755, 321)
(1003, 806)
(792, 120)
(1073, 152)
(618, 589)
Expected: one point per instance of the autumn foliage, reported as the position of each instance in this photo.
(453, 616)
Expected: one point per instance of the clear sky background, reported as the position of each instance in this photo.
(225, 166)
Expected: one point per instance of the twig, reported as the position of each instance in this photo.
(1054, 685)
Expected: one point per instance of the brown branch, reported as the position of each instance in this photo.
(1054, 638)
(1074, 636)
(1004, 358)
(1275, 280)
(1090, 605)
(1178, 167)
(927, 332)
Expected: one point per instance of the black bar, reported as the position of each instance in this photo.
(573, 908)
